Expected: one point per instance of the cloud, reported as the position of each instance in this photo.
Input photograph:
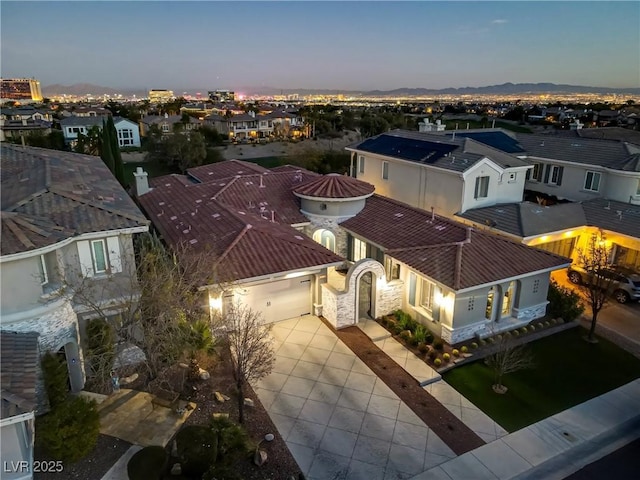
(499, 21)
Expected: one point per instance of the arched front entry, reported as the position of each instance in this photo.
(363, 279)
(69, 353)
(365, 297)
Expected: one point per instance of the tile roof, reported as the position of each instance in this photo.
(48, 196)
(19, 357)
(613, 216)
(220, 170)
(586, 151)
(431, 244)
(526, 219)
(241, 243)
(334, 185)
(494, 138)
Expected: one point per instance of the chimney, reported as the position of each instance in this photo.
(273, 216)
(261, 183)
(469, 230)
(142, 182)
(433, 215)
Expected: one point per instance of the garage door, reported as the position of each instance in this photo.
(281, 299)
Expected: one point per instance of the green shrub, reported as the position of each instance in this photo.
(554, 321)
(455, 352)
(148, 464)
(446, 357)
(438, 344)
(464, 348)
(516, 333)
(429, 338)
(563, 302)
(405, 335)
(532, 328)
(482, 342)
(197, 449)
(405, 321)
(420, 333)
(70, 430)
(423, 347)
(524, 330)
(499, 338)
(507, 334)
(433, 354)
(233, 441)
(547, 324)
(474, 344)
(437, 362)
(55, 376)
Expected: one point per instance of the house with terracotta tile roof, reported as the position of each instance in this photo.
(66, 224)
(290, 242)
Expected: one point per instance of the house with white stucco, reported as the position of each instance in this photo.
(295, 243)
(66, 224)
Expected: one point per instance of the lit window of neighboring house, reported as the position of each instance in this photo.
(359, 249)
(482, 187)
(385, 170)
(165, 127)
(361, 164)
(125, 137)
(592, 181)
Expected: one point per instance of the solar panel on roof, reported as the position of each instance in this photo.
(407, 148)
(498, 140)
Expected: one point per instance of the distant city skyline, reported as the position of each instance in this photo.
(321, 45)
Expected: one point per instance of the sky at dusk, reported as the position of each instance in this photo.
(321, 45)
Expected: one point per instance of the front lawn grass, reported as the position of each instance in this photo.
(567, 372)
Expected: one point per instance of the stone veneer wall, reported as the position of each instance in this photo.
(389, 298)
(531, 313)
(468, 332)
(331, 224)
(57, 326)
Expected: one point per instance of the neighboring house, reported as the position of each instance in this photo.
(67, 227)
(168, 124)
(128, 132)
(278, 123)
(602, 175)
(90, 111)
(18, 122)
(429, 171)
(371, 255)
(19, 357)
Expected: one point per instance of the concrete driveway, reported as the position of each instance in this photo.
(338, 419)
(622, 319)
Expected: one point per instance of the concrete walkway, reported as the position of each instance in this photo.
(338, 419)
(432, 382)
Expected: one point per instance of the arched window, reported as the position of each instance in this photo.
(325, 238)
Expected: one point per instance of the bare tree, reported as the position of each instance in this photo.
(507, 359)
(251, 348)
(160, 306)
(594, 277)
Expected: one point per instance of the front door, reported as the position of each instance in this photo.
(364, 296)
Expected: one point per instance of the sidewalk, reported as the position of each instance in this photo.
(554, 447)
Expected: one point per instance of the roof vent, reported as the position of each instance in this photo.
(399, 215)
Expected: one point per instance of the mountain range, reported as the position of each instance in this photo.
(503, 89)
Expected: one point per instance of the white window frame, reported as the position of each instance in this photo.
(482, 187)
(385, 170)
(428, 291)
(359, 249)
(392, 268)
(508, 295)
(360, 163)
(589, 180)
(536, 173)
(105, 253)
(554, 171)
(44, 274)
